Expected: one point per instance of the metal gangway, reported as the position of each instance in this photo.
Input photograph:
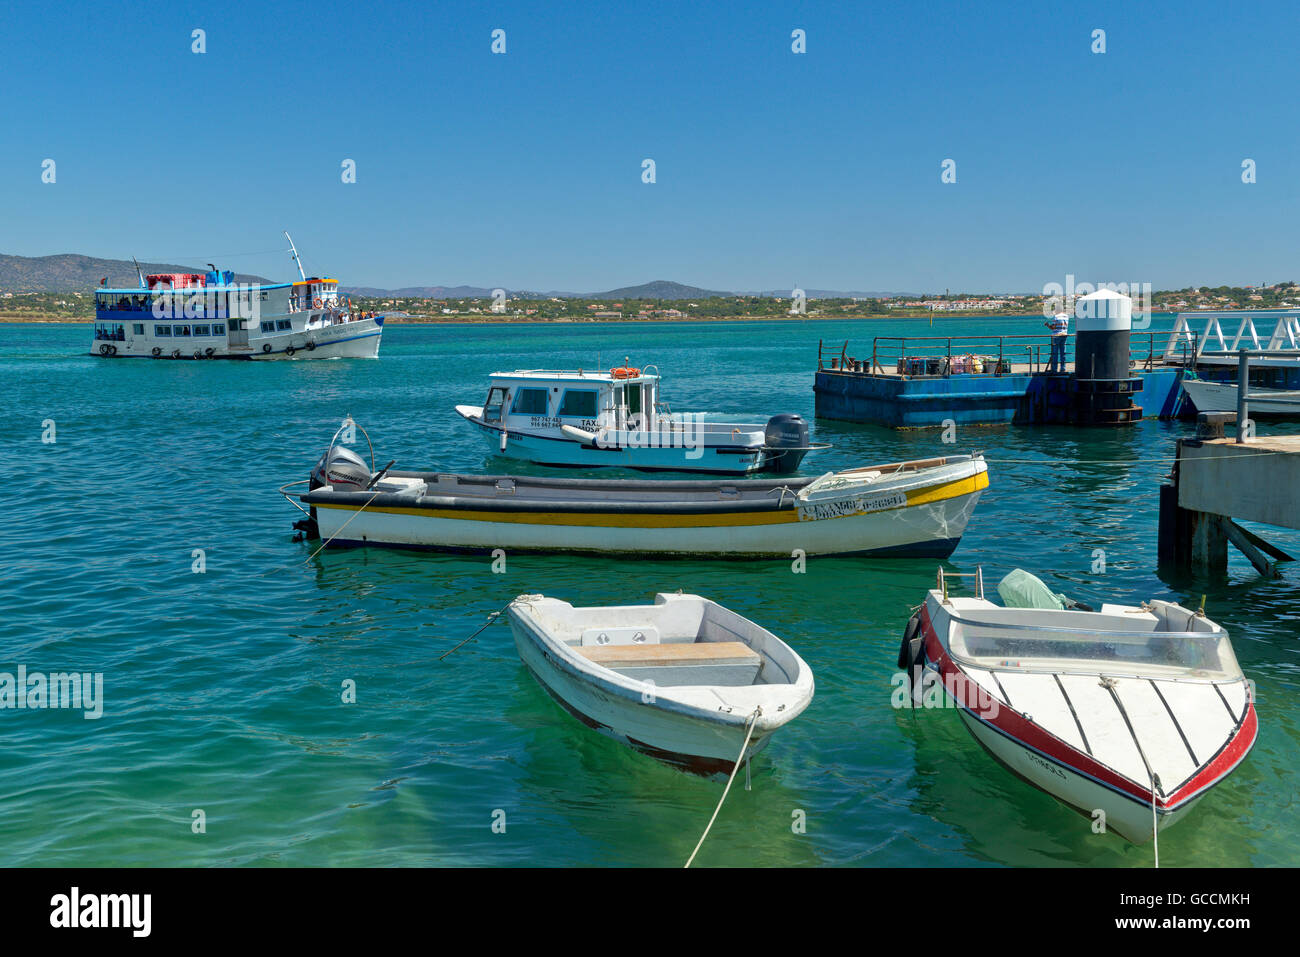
(1284, 342)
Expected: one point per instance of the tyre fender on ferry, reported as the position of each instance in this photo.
(157, 351)
(288, 350)
(176, 353)
(198, 353)
(266, 347)
(209, 352)
(311, 345)
(103, 349)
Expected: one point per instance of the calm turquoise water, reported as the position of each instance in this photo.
(222, 689)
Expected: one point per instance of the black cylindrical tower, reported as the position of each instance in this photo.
(1103, 385)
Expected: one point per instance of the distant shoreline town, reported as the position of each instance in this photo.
(79, 306)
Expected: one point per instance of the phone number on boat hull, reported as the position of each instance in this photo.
(852, 506)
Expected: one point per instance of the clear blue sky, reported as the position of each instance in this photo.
(773, 169)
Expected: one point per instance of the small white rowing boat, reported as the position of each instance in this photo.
(1135, 712)
(681, 680)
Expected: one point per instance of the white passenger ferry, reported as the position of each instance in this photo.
(616, 418)
(210, 316)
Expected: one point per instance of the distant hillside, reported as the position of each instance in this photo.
(422, 292)
(69, 272)
(830, 294)
(659, 289)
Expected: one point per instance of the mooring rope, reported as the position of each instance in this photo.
(343, 526)
(1155, 824)
(1109, 684)
(749, 731)
(492, 618)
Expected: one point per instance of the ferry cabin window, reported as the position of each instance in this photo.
(162, 330)
(283, 325)
(137, 328)
(530, 402)
(202, 330)
(218, 328)
(180, 330)
(268, 326)
(578, 403)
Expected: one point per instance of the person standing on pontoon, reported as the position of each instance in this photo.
(1060, 326)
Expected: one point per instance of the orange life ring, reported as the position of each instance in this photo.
(625, 372)
(317, 304)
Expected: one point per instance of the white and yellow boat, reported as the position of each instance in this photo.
(918, 508)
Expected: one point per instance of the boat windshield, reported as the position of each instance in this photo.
(1200, 655)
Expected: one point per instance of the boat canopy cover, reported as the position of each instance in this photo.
(1023, 590)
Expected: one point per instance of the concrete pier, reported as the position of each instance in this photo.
(1217, 480)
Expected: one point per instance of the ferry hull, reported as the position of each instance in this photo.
(348, 344)
(351, 340)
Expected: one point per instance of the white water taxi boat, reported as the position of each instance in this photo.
(918, 508)
(1135, 712)
(616, 418)
(1210, 396)
(682, 680)
(210, 316)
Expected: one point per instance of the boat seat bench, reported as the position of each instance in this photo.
(731, 663)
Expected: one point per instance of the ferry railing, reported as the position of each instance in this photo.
(1004, 352)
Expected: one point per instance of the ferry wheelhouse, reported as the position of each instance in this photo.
(210, 316)
(617, 418)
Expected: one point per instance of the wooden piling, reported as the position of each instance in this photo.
(1215, 480)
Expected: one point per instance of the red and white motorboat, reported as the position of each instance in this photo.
(1134, 712)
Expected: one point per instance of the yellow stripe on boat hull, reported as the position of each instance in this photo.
(921, 496)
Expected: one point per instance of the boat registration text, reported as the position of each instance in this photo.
(856, 505)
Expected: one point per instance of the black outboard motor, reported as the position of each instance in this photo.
(786, 439)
